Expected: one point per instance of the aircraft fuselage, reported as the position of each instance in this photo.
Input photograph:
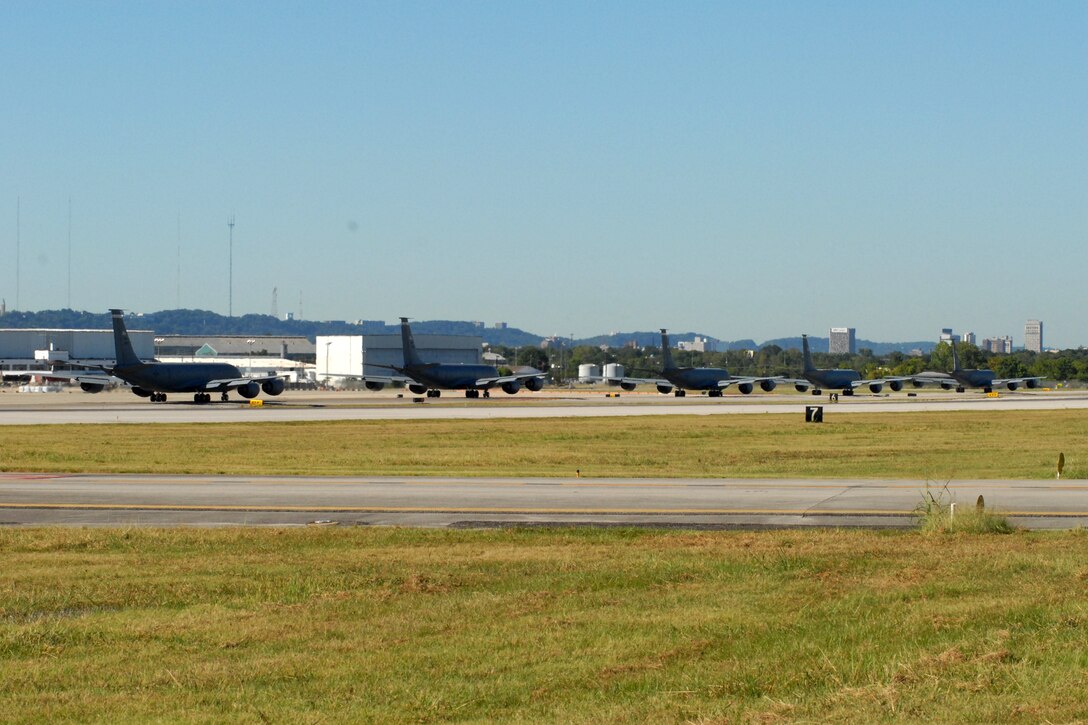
(695, 378)
(451, 377)
(175, 377)
(833, 379)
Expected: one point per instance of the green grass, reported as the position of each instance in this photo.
(388, 625)
(938, 445)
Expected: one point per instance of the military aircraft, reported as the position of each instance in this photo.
(433, 378)
(845, 380)
(963, 378)
(153, 379)
(679, 380)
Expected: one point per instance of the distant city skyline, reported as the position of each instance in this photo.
(744, 170)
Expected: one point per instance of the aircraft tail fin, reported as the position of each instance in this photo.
(408, 344)
(121, 342)
(955, 357)
(666, 353)
(809, 367)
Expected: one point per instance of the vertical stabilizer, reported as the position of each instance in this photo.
(955, 357)
(666, 353)
(809, 367)
(408, 345)
(121, 343)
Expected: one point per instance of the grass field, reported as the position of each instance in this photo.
(357, 625)
(939, 446)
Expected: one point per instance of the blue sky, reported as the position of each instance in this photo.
(740, 169)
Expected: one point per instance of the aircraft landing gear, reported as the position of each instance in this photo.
(987, 389)
(487, 393)
(848, 391)
(817, 391)
(680, 393)
(224, 397)
(202, 398)
(157, 397)
(472, 393)
(434, 393)
(714, 393)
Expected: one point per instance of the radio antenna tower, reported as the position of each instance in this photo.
(178, 303)
(230, 271)
(18, 243)
(275, 304)
(69, 252)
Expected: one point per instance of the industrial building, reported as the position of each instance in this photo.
(1033, 335)
(340, 356)
(38, 349)
(842, 340)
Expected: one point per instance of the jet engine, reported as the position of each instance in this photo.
(947, 386)
(664, 389)
(1012, 385)
(272, 387)
(511, 387)
(1031, 383)
(767, 385)
(417, 389)
(745, 388)
(800, 387)
(876, 387)
(249, 390)
(895, 385)
(142, 393)
(91, 387)
(534, 384)
(917, 383)
(627, 386)
(373, 385)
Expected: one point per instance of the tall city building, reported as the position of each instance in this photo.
(1033, 335)
(947, 336)
(969, 338)
(842, 340)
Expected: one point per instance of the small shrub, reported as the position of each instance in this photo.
(936, 514)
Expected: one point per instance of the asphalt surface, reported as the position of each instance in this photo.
(172, 500)
(123, 407)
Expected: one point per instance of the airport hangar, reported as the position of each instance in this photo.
(345, 356)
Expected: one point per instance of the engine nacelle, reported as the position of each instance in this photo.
(272, 387)
(800, 387)
(249, 390)
(876, 387)
(664, 389)
(767, 385)
(947, 386)
(417, 389)
(512, 387)
(627, 386)
(895, 385)
(1031, 383)
(142, 393)
(917, 383)
(534, 384)
(91, 387)
(1012, 385)
(373, 385)
(745, 388)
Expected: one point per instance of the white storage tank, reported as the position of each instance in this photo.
(588, 373)
(613, 371)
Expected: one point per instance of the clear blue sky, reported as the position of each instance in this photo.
(740, 169)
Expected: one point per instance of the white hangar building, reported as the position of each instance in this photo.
(347, 355)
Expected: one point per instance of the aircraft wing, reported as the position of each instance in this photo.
(1031, 381)
(232, 383)
(739, 379)
(636, 381)
(72, 376)
(484, 382)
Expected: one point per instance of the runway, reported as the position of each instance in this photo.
(123, 407)
(173, 500)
